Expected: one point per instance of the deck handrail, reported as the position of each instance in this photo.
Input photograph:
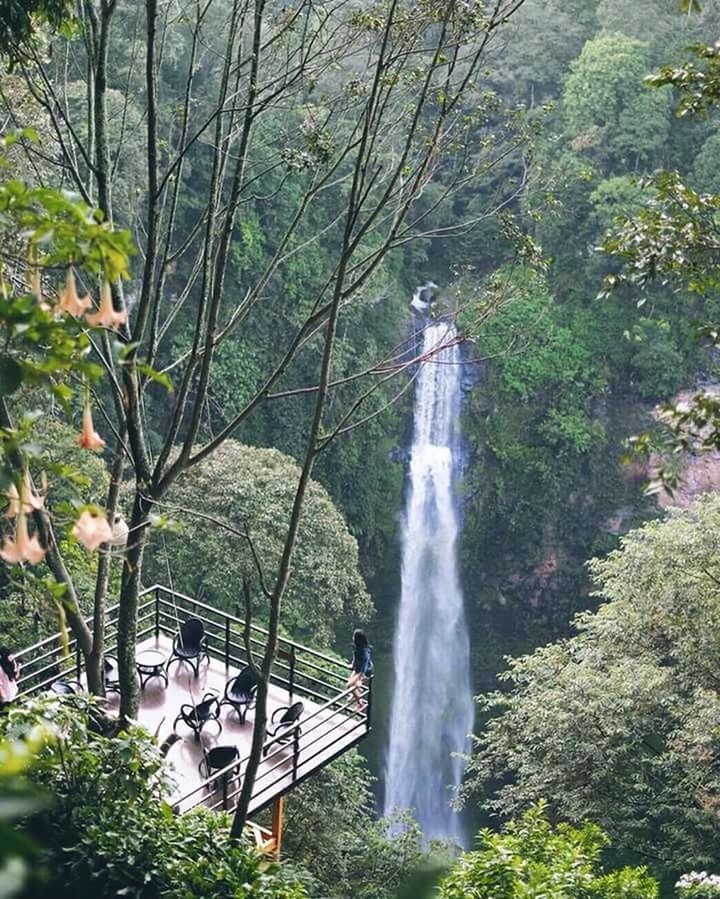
(284, 640)
(298, 653)
(296, 669)
(293, 733)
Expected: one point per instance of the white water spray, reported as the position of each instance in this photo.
(432, 707)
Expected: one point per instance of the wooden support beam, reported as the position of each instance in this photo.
(278, 820)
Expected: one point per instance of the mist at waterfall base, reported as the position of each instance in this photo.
(432, 705)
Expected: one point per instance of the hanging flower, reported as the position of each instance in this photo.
(89, 437)
(30, 500)
(13, 501)
(23, 548)
(106, 316)
(27, 500)
(92, 530)
(120, 531)
(70, 302)
(36, 284)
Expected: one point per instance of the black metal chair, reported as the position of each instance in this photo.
(283, 730)
(111, 674)
(190, 645)
(197, 716)
(216, 759)
(240, 692)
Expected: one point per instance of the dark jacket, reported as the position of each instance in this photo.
(362, 661)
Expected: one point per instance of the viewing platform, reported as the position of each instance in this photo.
(328, 726)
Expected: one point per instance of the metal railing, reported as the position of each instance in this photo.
(59, 656)
(315, 740)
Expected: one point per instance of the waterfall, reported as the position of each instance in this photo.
(432, 705)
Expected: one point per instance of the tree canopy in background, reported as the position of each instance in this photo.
(607, 108)
(251, 490)
(533, 859)
(619, 724)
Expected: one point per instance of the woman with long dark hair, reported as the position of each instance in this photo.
(361, 667)
(9, 672)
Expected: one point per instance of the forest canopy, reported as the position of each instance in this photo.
(619, 723)
(242, 496)
(213, 217)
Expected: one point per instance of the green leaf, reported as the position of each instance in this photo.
(10, 375)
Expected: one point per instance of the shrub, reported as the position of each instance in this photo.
(534, 860)
(108, 830)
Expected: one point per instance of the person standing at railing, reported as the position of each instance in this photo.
(361, 666)
(9, 673)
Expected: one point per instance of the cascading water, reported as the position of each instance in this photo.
(432, 706)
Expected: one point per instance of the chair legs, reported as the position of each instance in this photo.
(240, 708)
(193, 663)
(196, 727)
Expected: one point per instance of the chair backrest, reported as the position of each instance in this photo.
(202, 709)
(191, 633)
(245, 682)
(293, 713)
(222, 756)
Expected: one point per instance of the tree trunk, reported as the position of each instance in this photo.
(250, 772)
(95, 661)
(127, 617)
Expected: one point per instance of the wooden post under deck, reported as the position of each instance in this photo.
(278, 820)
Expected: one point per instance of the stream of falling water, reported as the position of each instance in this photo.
(432, 704)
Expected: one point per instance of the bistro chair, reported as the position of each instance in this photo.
(283, 730)
(190, 645)
(240, 692)
(111, 673)
(216, 759)
(197, 716)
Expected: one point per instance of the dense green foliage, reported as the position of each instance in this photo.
(333, 831)
(619, 723)
(534, 860)
(107, 830)
(571, 372)
(251, 490)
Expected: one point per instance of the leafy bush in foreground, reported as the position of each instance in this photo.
(108, 830)
(534, 860)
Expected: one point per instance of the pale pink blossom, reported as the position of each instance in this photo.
(13, 501)
(27, 500)
(36, 284)
(23, 548)
(70, 302)
(89, 437)
(36, 287)
(92, 530)
(106, 316)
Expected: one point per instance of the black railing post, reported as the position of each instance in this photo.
(157, 613)
(78, 660)
(368, 709)
(291, 679)
(296, 751)
(227, 643)
(225, 789)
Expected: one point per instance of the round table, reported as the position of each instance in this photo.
(151, 663)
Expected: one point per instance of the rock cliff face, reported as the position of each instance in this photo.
(700, 470)
(701, 474)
